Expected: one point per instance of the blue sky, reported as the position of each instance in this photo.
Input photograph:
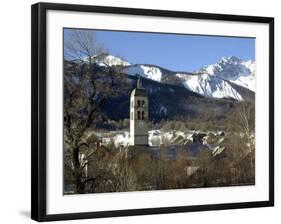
(172, 51)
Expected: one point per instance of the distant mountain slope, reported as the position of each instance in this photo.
(234, 70)
(170, 102)
(104, 60)
(150, 72)
(210, 86)
(166, 101)
(229, 78)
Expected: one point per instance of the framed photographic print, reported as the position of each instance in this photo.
(139, 111)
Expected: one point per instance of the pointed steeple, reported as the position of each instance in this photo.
(139, 83)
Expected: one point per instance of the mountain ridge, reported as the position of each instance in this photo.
(215, 80)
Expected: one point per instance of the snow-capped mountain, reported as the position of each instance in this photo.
(218, 80)
(209, 85)
(233, 69)
(149, 72)
(173, 97)
(210, 81)
(107, 60)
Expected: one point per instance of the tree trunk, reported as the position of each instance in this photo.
(77, 171)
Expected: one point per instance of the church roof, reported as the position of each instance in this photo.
(138, 92)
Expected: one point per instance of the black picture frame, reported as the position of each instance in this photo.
(39, 122)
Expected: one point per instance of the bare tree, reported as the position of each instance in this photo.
(124, 176)
(84, 95)
(245, 124)
(83, 44)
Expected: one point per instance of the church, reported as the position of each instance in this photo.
(139, 116)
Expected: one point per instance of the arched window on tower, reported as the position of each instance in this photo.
(142, 103)
(139, 103)
(142, 115)
(139, 115)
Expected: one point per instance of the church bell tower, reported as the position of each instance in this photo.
(139, 115)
